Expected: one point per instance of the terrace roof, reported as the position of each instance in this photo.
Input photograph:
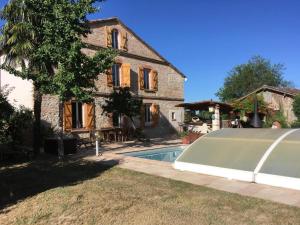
(203, 105)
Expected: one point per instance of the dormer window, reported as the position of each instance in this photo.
(115, 38)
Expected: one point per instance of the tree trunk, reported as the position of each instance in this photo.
(37, 107)
(61, 132)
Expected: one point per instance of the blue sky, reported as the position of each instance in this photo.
(206, 39)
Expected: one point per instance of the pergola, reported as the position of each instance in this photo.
(205, 105)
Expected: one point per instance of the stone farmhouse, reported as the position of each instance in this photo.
(150, 77)
(278, 98)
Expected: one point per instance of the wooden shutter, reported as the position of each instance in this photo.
(124, 41)
(142, 117)
(108, 37)
(89, 115)
(125, 76)
(67, 116)
(154, 80)
(141, 78)
(155, 114)
(109, 78)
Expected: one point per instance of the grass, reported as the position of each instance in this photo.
(48, 192)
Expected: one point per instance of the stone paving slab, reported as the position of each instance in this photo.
(166, 170)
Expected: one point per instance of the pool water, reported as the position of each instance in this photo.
(169, 154)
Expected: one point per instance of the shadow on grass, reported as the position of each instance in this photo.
(20, 181)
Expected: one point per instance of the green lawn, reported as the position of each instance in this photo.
(47, 192)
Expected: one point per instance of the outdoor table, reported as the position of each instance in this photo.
(110, 130)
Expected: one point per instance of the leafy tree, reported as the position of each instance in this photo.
(245, 78)
(52, 31)
(296, 107)
(123, 103)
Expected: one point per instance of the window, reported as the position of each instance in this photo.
(77, 121)
(146, 78)
(148, 114)
(173, 116)
(116, 120)
(116, 75)
(115, 38)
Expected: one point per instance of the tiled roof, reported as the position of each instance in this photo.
(282, 90)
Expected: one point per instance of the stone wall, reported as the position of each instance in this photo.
(50, 111)
(278, 101)
(97, 37)
(170, 84)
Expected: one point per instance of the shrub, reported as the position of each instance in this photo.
(277, 116)
(13, 121)
(183, 134)
(295, 124)
(20, 121)
(296, 107)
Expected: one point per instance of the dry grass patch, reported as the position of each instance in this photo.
(89, 193)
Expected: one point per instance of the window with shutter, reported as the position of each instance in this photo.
(124, 41)
(89, 116)
(67, 116)
(115, 39)
(109, 74)
(125, 75)
(116, 76)
(155, 114)
(141, 78)
(146, 74)
(142, 117)
(108, 37)
(77, 115)
(154, 80)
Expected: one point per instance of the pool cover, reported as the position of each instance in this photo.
(269, 156)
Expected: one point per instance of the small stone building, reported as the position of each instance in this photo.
(150, 77)
(278, 98)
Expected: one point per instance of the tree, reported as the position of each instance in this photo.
(244, 78)
(18, 40)
(296, 106)
(56, 63)
(123, 103)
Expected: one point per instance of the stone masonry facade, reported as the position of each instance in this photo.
(170, 88)
(277, 101)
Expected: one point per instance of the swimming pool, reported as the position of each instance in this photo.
(168, 154)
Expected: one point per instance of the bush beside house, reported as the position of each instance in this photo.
(296, 109)
(15, 123)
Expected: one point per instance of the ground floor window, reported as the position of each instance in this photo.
(77, 117)
(148, 117)
(116, 120)
(173, 116)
